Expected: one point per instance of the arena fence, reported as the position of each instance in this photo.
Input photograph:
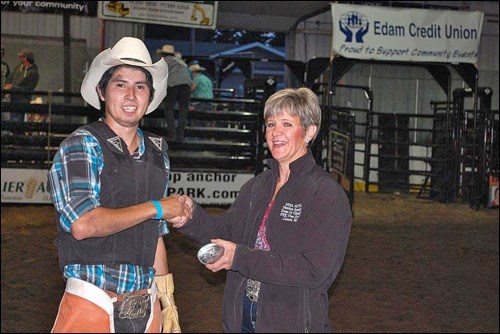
(448, 155)
(222, 148)
(457, 164)
(225, 146)
(228, 130)
(475, 153)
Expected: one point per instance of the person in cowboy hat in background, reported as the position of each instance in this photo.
(5, 75)
(202, 87)
(5, 68)
(179, 91)
(108, 184)
(24, 78)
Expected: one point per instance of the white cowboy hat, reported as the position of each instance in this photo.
(127, 51)
(166, 49)
(196, 68)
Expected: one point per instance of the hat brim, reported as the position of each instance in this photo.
(161, 52)
(197, 69)
(105, 60)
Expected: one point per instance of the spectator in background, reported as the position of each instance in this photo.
(202, 87)
(179, 91)
(191, 63)
(5, 74)
(5, 69)
(24, 78)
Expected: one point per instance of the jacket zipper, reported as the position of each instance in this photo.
(307, 315)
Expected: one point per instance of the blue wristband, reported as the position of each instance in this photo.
(159, 210)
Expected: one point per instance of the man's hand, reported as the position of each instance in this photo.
(175, 206)
(179, 221)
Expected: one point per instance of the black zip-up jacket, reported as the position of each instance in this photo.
(307, 229)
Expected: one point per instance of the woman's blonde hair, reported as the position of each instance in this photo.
(300, 102)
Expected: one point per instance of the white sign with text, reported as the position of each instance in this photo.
(191, 14)
(207, 188)
(401, 34)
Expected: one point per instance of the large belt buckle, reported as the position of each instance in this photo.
(252, 290)
(133, 307)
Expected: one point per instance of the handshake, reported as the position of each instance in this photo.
(176, 209)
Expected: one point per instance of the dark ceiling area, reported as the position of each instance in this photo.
(283, 16)
(279, 16)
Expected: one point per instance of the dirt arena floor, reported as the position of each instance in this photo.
(412, 265)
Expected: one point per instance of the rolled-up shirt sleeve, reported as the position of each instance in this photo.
(74, 177)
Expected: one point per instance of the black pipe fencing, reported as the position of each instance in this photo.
(448, 155)
(454, 161)
(227, 136)
(340, 150)
(476, 149)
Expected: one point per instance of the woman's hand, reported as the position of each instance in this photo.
(179, 221)
(226, 261)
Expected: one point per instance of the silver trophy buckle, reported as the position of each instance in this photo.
(133, 307)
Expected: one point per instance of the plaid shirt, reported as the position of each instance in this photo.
(74, 196)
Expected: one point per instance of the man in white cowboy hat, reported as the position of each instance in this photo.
(179, 91)
(109, 184)
(202, 87)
